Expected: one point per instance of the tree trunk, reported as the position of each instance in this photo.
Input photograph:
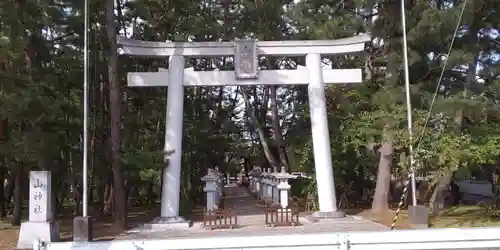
(260, 131)
(115, 117)
(2, 182)
(108, 200)
(18, 196)
(383, 186)
(278, 135)
(9, 188)
(77, 197)
(100, 186)
(438, 197)
(381, 196)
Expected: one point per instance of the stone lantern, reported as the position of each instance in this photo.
(283, 186)
(211, 190)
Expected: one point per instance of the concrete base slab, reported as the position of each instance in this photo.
(42, 231)
(166, 223)
(82, 229)
(253, 225)
(318, 215)
(418, 216)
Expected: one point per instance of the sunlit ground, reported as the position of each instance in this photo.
(463, 216)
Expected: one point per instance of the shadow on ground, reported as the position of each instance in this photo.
(103, 228)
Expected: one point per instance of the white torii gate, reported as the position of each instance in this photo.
(246, 73)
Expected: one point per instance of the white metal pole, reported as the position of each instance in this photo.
(85, 106)
(408, 105)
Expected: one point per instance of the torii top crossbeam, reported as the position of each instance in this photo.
(278, 48)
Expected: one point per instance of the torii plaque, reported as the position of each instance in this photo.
(245, 59)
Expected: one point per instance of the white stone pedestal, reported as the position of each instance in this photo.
(167, 223)
(31, 231)
(41, 225)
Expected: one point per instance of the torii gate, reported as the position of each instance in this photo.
(246, 53)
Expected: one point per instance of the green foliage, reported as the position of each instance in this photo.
(41, 90)
(153, 160)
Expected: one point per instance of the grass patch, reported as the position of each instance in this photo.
(454, 217)
(464, 216)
